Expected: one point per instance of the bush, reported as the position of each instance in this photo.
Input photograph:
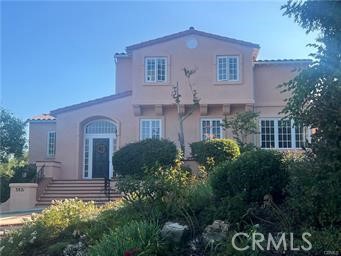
(15, 171)
(57, 225)
(214, 151)
(140, 237)
(253, 175)
(134, 157)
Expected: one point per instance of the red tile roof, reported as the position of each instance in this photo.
(283, 61)
(42, 117)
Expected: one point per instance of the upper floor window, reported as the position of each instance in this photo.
(150, 129)
(211, 129)
(155, 69)
(278, 133)
(227, 68)
(51, 144)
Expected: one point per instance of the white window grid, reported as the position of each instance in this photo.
(282, 134)
(228, 68)
(51, 144)
(267, 133)
(150, 129)
(86, 158)
(211, 129)
(155, 69)
(100, 127)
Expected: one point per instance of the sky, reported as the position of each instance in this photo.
(58, 53)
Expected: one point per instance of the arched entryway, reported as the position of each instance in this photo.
(99, 145)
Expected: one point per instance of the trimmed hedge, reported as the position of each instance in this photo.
(219, 150)
(252, 176)
(133, 158)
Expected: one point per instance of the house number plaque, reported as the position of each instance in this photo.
(19, 189)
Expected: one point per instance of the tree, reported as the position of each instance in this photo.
(181, 111)
(316, 91)
(242, 125)
(316, 102)
(12, 136)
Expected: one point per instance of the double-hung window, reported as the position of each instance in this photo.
(283, 134)
(51, 144)
(150, 129)
(211, 129)
(228, 68)
(155, 69)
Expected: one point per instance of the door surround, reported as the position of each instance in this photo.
(98, 132)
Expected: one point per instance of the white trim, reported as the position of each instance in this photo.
(228, 57)
(150, 120)
(48, 144)
(210, 120)
(91, 137)
(292, 133)
(155, 58)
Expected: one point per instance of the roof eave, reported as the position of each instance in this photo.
(91, 103)
(190, 31)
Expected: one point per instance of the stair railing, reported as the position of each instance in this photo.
(40, 174)
(107, 187)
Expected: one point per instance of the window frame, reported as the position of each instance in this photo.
(306, 133)
(150, 120)
(210, 120)
(155, 58)
(228, 57)
(49, 155)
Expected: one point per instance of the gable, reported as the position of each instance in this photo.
(189, 32)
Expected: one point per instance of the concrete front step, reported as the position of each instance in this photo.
(78, 181)
(86, 190)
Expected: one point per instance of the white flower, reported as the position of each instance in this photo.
(20, 243)
(10, 240)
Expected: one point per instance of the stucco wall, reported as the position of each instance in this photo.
(38, 132)
(266, 79)
(123, 74)
(70, 131)
(203, 58)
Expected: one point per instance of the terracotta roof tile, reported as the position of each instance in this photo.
(42, 117)
(283, 61)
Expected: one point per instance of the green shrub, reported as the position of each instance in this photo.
(139, 236)
(253, 175)
(66, 213)
(15, 171)
(57, 248)
(59, 224)
(214, 151)
(134, 157)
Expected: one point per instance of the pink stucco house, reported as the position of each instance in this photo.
(76, 142)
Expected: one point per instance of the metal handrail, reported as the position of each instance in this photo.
(40, 174)
(107, 187)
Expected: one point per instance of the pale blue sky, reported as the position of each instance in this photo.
(54, 54)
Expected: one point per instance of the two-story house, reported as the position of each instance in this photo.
(76, 142)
